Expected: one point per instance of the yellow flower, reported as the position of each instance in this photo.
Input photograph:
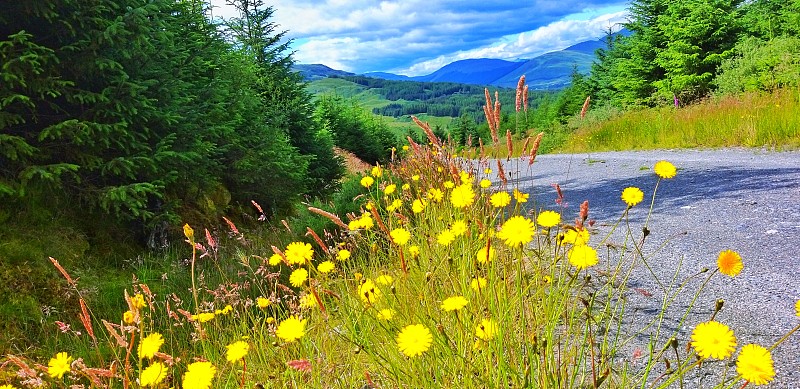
(298, 277)
(291, 329)
(520, 197)
(228, 309)
(517, 231)
(389, 189)
(367, 181)
(369, 292)
(415, 177)
(418, 206)
(632, 196)
(148, 347)
(263, 302)
(445, 237)
(548, 219)
(343, 254)
(435, 194)
(308, 301)
(414, 340)
(236, 351)
(797, 308)
(487, 171)
(275, 260)
(7, 387)
(713, 340)
(500, 199)
(395, 205)
(478, 283)
(199, 375)
(59, 365)
(203, 317)
(406, 186)
(449, 184)
(188, 232)
(486, 254)
(664, 169)
(582, 256)
(454, 303)
(325, 267)
(485, 183)
(138, 302)
(384, 279)
(459, 227)
(128, 317)
(414, 251)
(465, 177)
(730, 263)
(576, 237)
(298, 253)
(462, 196)
(755, 364)
(377, 172)
(153, 375)
(385, 314)
(400, 236)
(486, 330)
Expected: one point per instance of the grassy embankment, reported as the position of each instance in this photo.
(438, 278)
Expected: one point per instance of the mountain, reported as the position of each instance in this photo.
(548, 71)
(482, 71)
(387, 76)
(313, 72)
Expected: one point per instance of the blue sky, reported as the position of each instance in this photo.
(417, 37)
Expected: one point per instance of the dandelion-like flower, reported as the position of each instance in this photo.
(436, 194)
(298, 277)
(367, 181)
(500, 199)
(797, 308)
(713, 340)
(665, 169)
(385, 314)
(462, 196)
(755, 364)
(153, 375)
(478, 283)
(486, 254)
(325, 267)
(414, 340)
(236, 351)
(520, 196)
(291, 329)
(128, 317)
(199, 375)
(203, 317)
(414, 251)
(449, 184)
(548, 219)
(59, 365)
(632, 196)
(454, 303)
(137, 301)
(308, 301)
(517, 231)
(576, 237)
(486, 330)
(418, 206)
(263, 302)
(582, 256)
(485, 183)
(148, 347)
(275, 260)
(729, 263)
(459, 227)
(298, 253)
(343, 255)
(400, 236)
(369, 292)
(377, 171)
(446, 237)
(389, 189)
(395, 205)
(384, 279)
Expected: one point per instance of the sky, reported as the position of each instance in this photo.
(417, 37)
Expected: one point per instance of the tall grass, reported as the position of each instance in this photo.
(750, 120)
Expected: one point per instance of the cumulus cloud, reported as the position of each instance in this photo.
(419, 36)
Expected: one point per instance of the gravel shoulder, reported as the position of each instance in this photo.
(740, 199)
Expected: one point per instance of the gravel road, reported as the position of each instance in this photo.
(740, 199)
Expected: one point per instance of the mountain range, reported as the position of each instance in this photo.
(549, 71)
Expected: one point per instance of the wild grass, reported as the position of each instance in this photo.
(445, 274)
(751, 120)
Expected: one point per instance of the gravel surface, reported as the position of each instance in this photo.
(740, 199)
